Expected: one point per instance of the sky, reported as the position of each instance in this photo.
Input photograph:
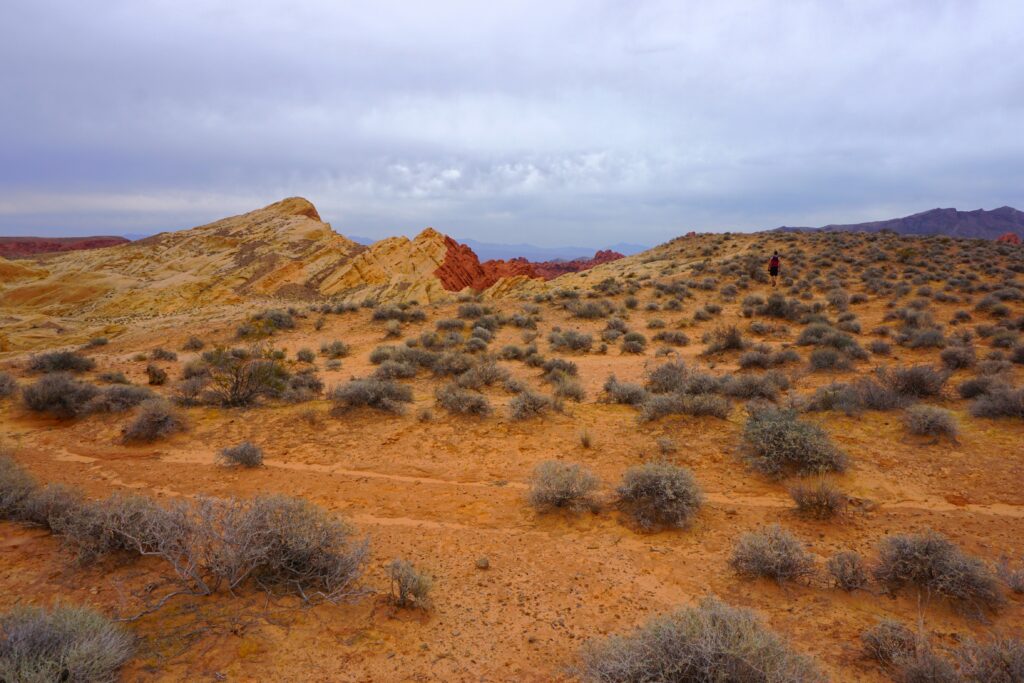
(566, 122)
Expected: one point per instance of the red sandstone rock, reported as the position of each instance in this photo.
(552, 269)
(1008, 238)
(18, 247)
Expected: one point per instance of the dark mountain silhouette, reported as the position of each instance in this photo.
(951, 222)
(18, 247)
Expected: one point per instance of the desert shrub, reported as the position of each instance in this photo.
(189, 392)
(119, 398)
(47, 504)
(570, 340)
(923, 420)
(888, 642)
(958, 357)
(659, 494)
(266, 322)
(305, 355)
(821, 500)
(764, 386)
(923, 665)
(160, 353)
(1000, 660)
(847, 570)
(624, 392)
(451, 363)
(778, 441)
(487, 373)
(878, 396)
(528, 404)
(245, 454)
(633, 342)
(724, 339)
(590, 310)
(672, 338)
(239, 380)
(562, 485)
(710, 642)
(156, 375)
(559, 367)
(59, 395)
(393, 369)
(972, 388)
(660, 405)
(8, 385)
(916, 381)
(567, 387)
(16, 487)
(829, 359)
(120, 524)
(74, 644)
(113, 378)
(880, 347)
(455, 399)
(835, 396)
(773, 553)
(374, 393)
(409, 587)
(933, 564)
(194, 344)
(334, 349)
(156, 419)
(667, 378)
(999, 401)
(60, 361)
(472, 311)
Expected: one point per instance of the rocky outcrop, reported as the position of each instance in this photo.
(1008, 238)
(20, 247)
(552, 269)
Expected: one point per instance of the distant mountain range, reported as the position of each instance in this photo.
(487, 251)
(951, 222)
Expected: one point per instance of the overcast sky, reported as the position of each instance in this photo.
(552, 122)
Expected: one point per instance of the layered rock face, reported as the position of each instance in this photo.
(1008, 238)
(18, 247)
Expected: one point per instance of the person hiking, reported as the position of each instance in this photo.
(773, 267)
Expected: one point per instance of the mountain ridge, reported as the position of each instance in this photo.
(978, 223)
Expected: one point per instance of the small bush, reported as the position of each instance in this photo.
(772, 553)
(455, 399)
(998, 661)
(778, 441)
(305, 355)
(932, 563)
(72, 644)
(847, 571)
(829, 359)
(156, 420)
(916, 381)
(888, 642)
(16, 487)
(118, 398)
(373, 393)
(930, 421)
(667, 378)
(570, 340)
(60, 361)
(624, 392)
(972, 388)
(1000, 401)
(8, 385)
(821, 500)
(334, 349)
(528, 404)
(59, 395)
(725, 339)
(156, 375)
(163, 354)
(409, 587)
(958, 357)
(562, 485)
(710, 642)
(245, 454)
(194, 344)
(659, 495)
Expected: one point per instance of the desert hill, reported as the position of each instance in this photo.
(950, 222)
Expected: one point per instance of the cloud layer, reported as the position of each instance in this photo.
(550, 122)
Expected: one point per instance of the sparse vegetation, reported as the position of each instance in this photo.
(381, 394)
(156, 419)
(245, 454)
(658, 494)
(562, 485)
(773, 553)
(409, 587)
(778, 441)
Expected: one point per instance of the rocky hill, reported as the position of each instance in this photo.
(951, 222)
(18, 247)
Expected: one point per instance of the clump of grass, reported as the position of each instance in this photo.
(409, 587)
(778, 442)
(932, 563)
(821, 500)
(61, 644)
(710, 642)
(558, 485)
(658, 494)
(245, 454)
(772, 553)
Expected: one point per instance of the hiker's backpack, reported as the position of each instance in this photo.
(774, 263)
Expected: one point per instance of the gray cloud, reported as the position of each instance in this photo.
(569, 122)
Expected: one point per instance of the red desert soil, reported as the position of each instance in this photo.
(445, 491)
(18, 247)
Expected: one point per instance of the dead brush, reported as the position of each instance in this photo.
(558, 485)
(819, 500)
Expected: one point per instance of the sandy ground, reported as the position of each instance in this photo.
(446, 492)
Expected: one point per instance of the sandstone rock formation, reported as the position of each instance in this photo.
(1008, 238)
(17, 247)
